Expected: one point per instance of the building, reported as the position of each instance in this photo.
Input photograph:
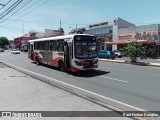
(36, 34)
(20, 41)
(148, 35)
(51, 33)
(47, 33)
(105, 31)
(78, 31)
(11, 44)
(116, 33)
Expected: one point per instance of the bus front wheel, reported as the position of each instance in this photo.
(61, 66)
(37, 61)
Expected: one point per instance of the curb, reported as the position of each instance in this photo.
(125, 62)
(154, 64)
(115, 61)
(102, 100)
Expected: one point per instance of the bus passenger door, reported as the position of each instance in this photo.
(66, 55)
(32, 52)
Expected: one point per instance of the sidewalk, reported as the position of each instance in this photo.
(124, 60)
(20, 92)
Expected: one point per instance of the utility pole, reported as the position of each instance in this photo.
(22, 29)
(60, 23)
(76, 28)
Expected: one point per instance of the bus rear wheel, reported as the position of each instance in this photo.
(61, 66)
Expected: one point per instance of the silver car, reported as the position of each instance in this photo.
(15, 51)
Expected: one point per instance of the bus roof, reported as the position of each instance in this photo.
(59, 37)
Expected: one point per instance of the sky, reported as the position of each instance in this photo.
(46, 14)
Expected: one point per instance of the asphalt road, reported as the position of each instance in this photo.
(134, 85)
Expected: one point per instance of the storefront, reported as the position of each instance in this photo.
(148, 35)
(153, 49)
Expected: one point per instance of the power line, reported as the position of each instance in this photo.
(27, 12)
(18, 29)
(5, 4)
(10, 9)
(21, 7)
(15, 8)
(76, 23)
(49, 22)
(36, 21)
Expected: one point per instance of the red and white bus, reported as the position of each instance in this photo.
(70, 52)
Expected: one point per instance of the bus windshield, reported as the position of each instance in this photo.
(85, 47)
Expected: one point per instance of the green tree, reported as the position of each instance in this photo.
(135, 50)
(4, 41)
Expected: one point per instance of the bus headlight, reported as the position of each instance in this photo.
(77, 63)
(96, 61)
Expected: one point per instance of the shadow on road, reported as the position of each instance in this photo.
(87, 73)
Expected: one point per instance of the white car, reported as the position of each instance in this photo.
(118, 53)
(1, 50)
(15, 51)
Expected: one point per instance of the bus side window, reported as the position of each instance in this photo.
(54, 45)
(35, 45)
(46, 45)
(38, 45)
(50, 46)
(29, 46)
(60, 45)
(41, 45)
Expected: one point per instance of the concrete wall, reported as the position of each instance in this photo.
(124, 24)
(139, 29)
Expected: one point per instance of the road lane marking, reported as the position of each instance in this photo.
(110, 101)
(105, 68)
(5, 53)
(114, 79)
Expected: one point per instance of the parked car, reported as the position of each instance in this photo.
(118, 53)
(107, 54)
(1, 50)
(15, 51)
